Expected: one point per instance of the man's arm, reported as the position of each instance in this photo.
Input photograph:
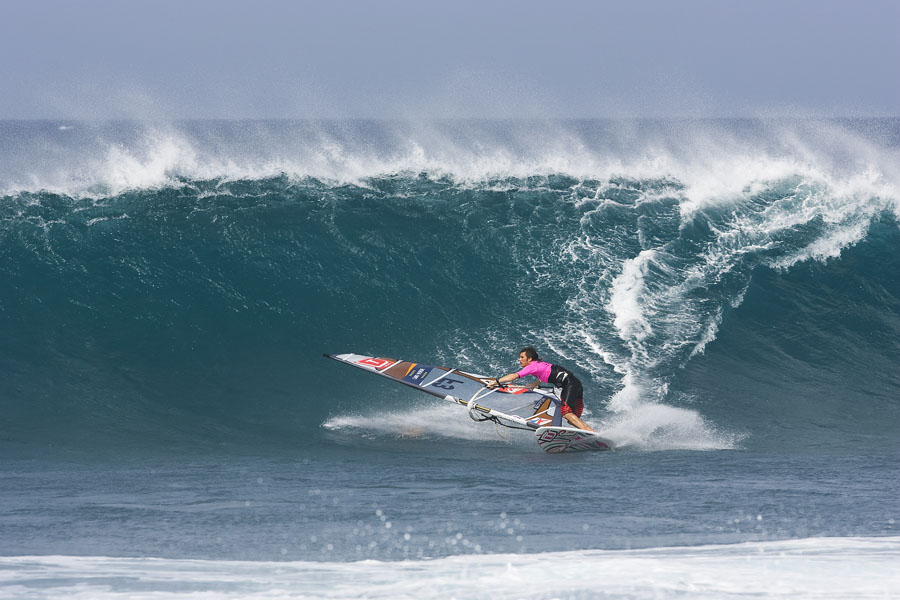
(504, 379)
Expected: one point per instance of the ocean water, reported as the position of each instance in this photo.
(728, 291)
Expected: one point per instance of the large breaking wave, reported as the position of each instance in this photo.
(705, 279)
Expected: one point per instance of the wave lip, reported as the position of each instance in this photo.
(715, 159)
(822, 568)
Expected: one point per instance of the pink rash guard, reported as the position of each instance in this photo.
(538, 368)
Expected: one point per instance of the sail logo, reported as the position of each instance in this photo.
(417, 374)
(377, 363)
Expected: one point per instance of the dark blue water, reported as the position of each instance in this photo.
(728, 292)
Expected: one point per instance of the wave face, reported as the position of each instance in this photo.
(714, 284)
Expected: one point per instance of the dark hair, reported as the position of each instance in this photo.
(530, 353)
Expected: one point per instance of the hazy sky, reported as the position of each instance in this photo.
(483, 58)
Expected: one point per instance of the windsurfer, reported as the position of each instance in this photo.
(572, 392)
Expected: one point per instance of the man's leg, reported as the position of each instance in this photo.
(573, 405)
(576, 421)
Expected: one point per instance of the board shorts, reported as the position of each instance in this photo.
(572, 399)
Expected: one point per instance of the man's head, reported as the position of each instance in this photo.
(527, 355)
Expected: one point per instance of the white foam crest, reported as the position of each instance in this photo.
(725, 179)
(822, 568)
(164, 157)
(716, 166)
(722, 167)
(161, 157)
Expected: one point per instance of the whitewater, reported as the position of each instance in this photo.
(727, 290)
(821, 568)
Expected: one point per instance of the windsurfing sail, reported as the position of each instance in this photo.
(512, 406)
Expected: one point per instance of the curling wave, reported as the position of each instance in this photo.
(180, 282)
